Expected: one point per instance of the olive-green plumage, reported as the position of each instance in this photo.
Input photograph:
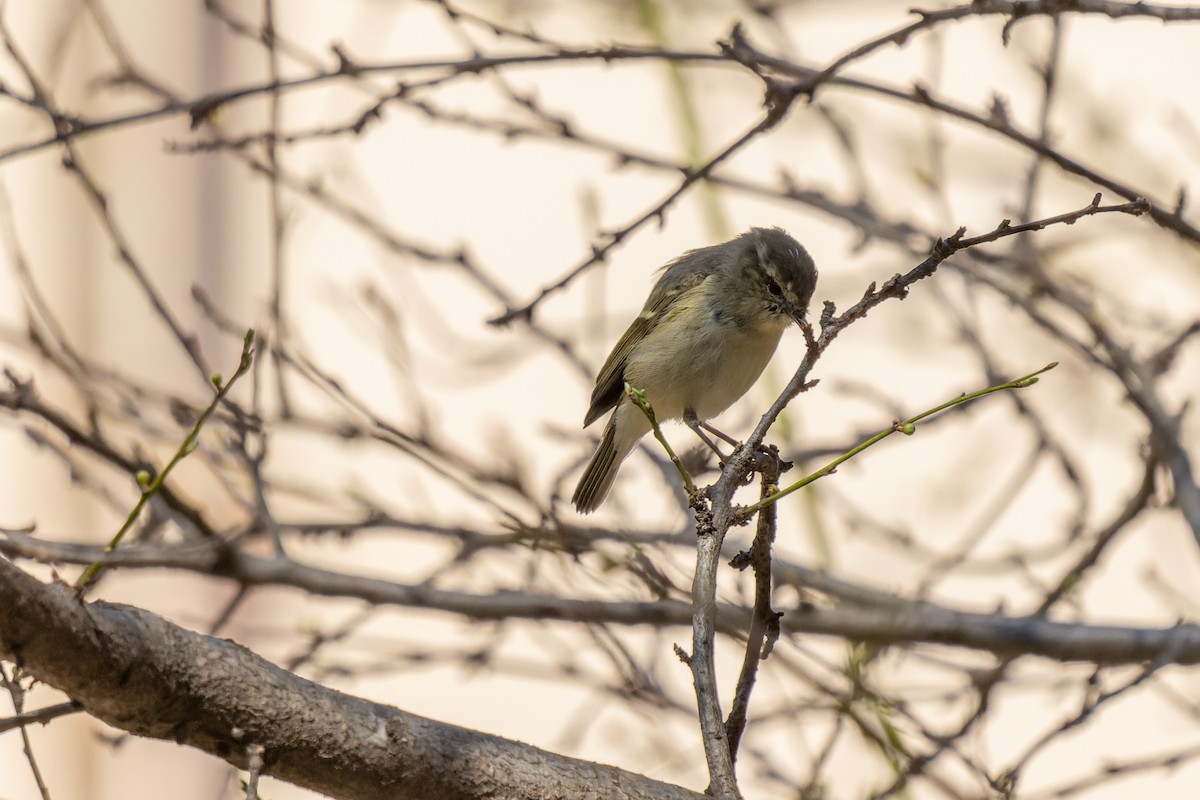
(705, 334)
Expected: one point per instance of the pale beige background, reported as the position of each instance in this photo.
(523, 208)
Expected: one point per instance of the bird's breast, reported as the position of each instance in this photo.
(701, 362)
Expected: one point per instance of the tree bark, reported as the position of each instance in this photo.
(140, 673)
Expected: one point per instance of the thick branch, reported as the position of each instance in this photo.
(138, 672)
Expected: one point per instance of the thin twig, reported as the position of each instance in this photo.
(907, 427)
(151, 484)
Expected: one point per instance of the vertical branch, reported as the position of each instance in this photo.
(271, 146)
(765, 620)
(257, 455)
(650, 15)
(1049, 81)
(722, 783)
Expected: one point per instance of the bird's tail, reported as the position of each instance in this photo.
(601, 470)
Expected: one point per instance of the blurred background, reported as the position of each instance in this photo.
(372, 185)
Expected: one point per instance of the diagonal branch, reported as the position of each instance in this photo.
(143, 674)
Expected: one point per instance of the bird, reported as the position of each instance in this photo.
(706, 332)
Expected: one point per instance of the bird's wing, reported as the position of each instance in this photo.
(684, 274)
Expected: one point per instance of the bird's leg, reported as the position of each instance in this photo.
(698, 427)
(765, 460)
(719, 433)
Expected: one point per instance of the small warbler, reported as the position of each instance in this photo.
(705, 334)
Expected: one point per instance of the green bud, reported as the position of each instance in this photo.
(908, 429)
(142, 477)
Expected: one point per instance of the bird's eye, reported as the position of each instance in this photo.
(773, 288)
